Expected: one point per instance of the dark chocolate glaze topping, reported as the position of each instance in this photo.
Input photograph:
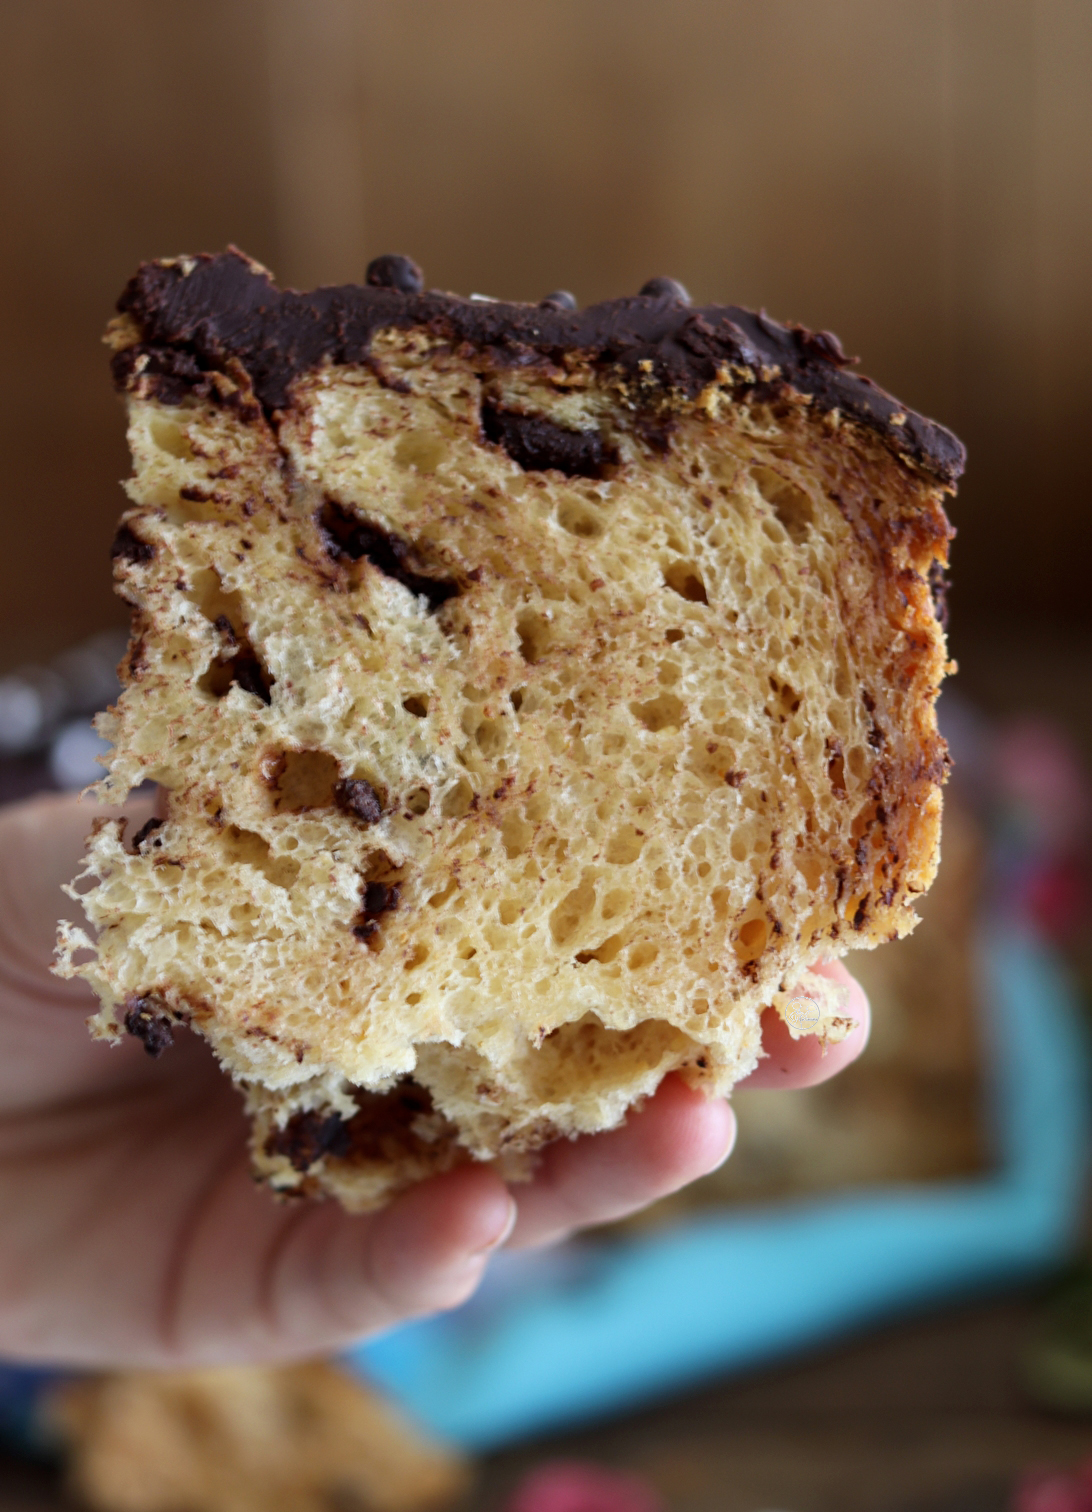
(198, 315)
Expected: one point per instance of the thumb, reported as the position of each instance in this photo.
(321, 1279)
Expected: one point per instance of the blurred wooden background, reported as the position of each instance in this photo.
(914, 174)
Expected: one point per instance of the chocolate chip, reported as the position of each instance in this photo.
(307, 1137)
(347, 535)
(129, 547)
(560, 299)
(146, 829)
(251, 675)
(146, 1019)
(666, 288)
(377, 899)
(380, 898)
(223, 624)
(381, 1129)
(392, 271)
(355, 796)
(538, 444)
(824, 345)
(938, 587)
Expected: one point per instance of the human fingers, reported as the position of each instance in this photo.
(264, 1283)
(791, 1064)
(136, 1235)
(47, 1050)
(41, 844)
(676, 1137)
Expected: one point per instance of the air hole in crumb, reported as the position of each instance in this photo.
(836, 767)
(172, 439)
(237, 663)
(751, 941)
(457, 800)
(572, 911)
(517, 834)
(615, 903)
(491, 737)
(785, 700)
(244, 847)
(535, 635)
(662, 713)
(216, 602)
(674, 636)
(419, 800)
(438, 899)
(790, 504)
(579, 520)
(245, 670)
(508, 910)
(641, 955)
(416, 704)
(516, 699)
(301, 780)
(684, 579)
(417, 957)
(624, 846)
(610, 948)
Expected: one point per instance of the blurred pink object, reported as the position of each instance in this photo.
(1038, 769)
(1055, 1491)
(568, 1486)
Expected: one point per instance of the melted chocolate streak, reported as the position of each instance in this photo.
(349, 536)
(227, 308)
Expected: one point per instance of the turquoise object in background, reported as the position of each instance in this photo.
(571, 1334)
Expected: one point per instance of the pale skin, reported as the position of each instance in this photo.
(133, 1233)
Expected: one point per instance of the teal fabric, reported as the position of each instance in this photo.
(567, 1335)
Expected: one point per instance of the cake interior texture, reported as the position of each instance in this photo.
(532, 706)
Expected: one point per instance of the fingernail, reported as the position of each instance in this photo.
(730, 1145)
(504, 1233)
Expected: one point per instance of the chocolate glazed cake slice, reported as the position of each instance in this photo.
(537, 694)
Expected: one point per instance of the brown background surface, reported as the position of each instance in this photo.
(926, 1416)
(913, 174)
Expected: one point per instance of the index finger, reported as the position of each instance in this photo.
(790, 1064)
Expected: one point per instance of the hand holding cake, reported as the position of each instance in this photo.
(134, 1232)
(540, 701)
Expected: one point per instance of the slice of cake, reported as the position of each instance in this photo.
(537, 694)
